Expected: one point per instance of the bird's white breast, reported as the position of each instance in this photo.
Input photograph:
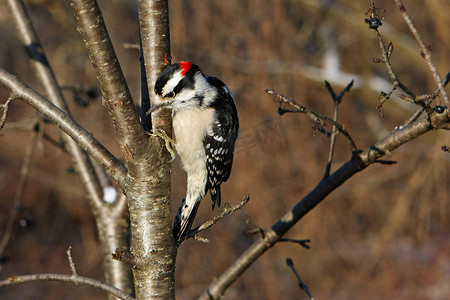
(190, 127)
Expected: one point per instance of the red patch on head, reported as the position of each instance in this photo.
(185, 66)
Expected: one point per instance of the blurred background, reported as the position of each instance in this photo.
(383, 234)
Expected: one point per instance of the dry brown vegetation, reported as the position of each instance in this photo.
(384, 234)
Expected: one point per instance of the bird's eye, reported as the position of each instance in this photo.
(170, 95)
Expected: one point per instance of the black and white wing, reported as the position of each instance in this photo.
(220, 141)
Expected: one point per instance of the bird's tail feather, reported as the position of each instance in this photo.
(215, 196)
(184, 219)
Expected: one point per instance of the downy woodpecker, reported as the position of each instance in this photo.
(206, 126)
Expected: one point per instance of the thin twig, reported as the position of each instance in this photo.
(345, 90)
(386, 96)
(334, 131)
(303, 243)
(71, 263)
(294, 107)
(425, 50)
(19, 190)
(256, 230)
(375, 23)
(77, 279)
(337, 100)
(385, 162)
(386, 59)
(126, 257)
(331, 91)
(4, 109)
(425, 98)
(227, 210)
(415, 116)
(114, 167)
(30, 124)
(327, 185)
(201, 239)
(303, 286)
(386, 53)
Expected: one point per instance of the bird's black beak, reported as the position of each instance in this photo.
(153, 108)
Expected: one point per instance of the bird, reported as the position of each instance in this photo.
(206, 127)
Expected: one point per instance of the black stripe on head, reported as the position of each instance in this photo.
(188, 80)
(164, 77)
(188, 71)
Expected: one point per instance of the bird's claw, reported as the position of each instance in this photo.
(169, 142)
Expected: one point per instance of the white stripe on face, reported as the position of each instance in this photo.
(172, 83)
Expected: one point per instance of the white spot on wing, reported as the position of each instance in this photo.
(218, 138)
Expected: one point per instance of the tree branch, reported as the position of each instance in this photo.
(86, 141)
(44, 72)
(303, 286)
(226, 211)
(294, 107)
(155, 40)
(19, 191)
(425, 51)
(149, 201)
(4, 109)
(336, 101)
(386, 53)
(116, 95)
(303, 243)
(77, 279)
(327, 185)
(107, 217)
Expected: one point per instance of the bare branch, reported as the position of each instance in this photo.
(148, 192)
(385, 96)
(425, 50)
(127, 257)
(19, 191)
(375, 23)
(336, 100)
(155, 41)
(415, 116)
(36, 54)
(294, 107)
(4, 109)
(331, 91)
(40, 65)
(71, 263)
(19, 90)
(116, 95)
(107, 216)
(386, 53)
(385, 162)
(303, 243)
(77, 279)
(112, 232)
(303, 286)
(227, 210)
(426, 99)
(327, 185)
(256, 230)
